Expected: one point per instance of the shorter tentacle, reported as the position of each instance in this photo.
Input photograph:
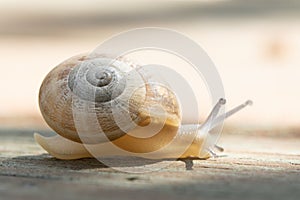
(221, 149)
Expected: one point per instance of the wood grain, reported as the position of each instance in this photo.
(253, 167)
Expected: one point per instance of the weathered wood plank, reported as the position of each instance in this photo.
(254, 167)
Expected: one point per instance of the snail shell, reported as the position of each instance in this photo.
(90, 99)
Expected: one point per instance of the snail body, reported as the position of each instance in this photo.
(101, 105)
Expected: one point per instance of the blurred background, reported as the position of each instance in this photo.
(255, 46)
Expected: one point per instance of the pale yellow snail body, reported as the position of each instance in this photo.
(88, 101)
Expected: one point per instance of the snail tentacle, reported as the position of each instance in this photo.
(213, 114)
(221, 149)
(229, 113)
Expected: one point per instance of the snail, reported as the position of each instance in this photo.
(100, 106)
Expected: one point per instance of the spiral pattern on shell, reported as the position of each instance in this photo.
(98, 80)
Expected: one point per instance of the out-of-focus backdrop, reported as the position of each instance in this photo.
(254, 44)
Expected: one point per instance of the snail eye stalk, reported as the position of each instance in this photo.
(213, 120)
(212, 116)
(216, 121)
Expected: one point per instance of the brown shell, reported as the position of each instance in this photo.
(86, 121)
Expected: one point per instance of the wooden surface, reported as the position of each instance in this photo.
(254, 166)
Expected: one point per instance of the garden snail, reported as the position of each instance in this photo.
(88, 101)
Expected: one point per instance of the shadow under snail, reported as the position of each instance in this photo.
(88, 101)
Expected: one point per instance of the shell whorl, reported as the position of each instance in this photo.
(98, 80)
